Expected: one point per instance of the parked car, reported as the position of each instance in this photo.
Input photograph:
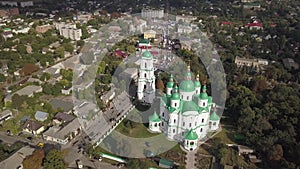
(79, 164)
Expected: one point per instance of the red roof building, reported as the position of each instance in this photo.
(256, 25)
(225, 23)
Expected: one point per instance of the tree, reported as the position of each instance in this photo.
(2, 78)
(130, 49)
(68, 47)
(60, 52)
(45, 76)
(54, 160)
(276, 153)
(35, 160)
(160, 85)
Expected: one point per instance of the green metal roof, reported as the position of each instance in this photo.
(203, 96)
(209, 99)
(191, 135)
(154, 117)
(170, 84)
(187, 86)
(144, 41)
(147, 55)
(166, 99)
(197, 83)
(188, 106)
(175, 96)
(171, 109)
(214, 116)
(166, 162)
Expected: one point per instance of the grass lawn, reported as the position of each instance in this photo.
(203, 162)
(175, 154)
(134, 129)
(226, 135)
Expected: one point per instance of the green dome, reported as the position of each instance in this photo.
(197, 84)
(175, 96)
(154, 117)
(186, 106)
(203, 96)
(214, 117)
(187, 86)
(191, 135)
(147, 54)
(170, 84)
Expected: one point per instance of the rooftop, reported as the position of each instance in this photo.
(62, 132)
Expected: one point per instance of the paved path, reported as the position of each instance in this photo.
(190, 159)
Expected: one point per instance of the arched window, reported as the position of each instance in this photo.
(191, 143)
(187, 97)
(175, 104)
(145, 75)
(214, 123)
(155, 125)
(203, 103)
(174, 120)
(190, 124)
(145, 65)
(195, 123)
(202, 121)
(200, 129)
(163, 114)
(145, 86)
(183, 123)
(162, 124)
(173, 130)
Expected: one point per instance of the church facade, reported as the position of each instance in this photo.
(186, 113)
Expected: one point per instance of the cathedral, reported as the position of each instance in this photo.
(186, 113)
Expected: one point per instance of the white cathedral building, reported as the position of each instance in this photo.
(186, 114)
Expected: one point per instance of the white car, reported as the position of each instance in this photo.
(79, 164)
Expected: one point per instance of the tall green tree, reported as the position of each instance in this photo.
(54, 160)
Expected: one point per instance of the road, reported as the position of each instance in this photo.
(75, 153)
(72, 150)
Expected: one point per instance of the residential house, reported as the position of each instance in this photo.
(183, 18)
(26, 91)
(66, 90)
(152, 13)
(223, 23)
(252, 5)
(250, 62)
(41, 116)
(81, 110)
(108, 96)
(253, 158)
(26, 4)
(43, 28)
(254, 25)
(149, 34)
(67, 106)
(6, 35)
(15, 161)
(5, 115)
(9, 3)
(62, 118)
(131, 72)
(184, 28)
(63, 134)
(290, 64)
(244, 150)
(33, 127)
